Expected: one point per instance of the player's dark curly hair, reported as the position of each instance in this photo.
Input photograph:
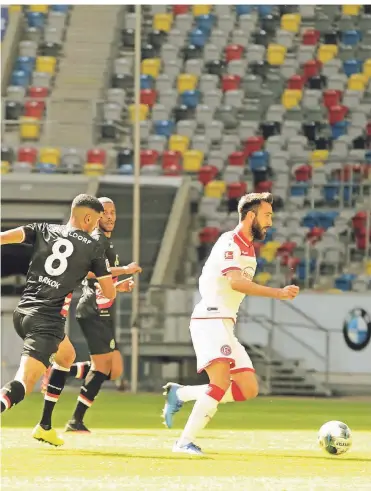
(87, 201)
(251, 202)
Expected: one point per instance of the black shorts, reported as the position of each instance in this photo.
(41, 335)
(99, 334)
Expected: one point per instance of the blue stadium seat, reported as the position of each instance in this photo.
(191, 98)
(60, 8)
(258, 161)
(299, 189)
(20, 78)
(311, 219)
(344, 282)
(25, 63)
(350, 192)
(351, 37)
(205, 23)
(305, 267)
(126, 169)
(327, 218)
(351, 67)
(265, 10)
(339, 129)
(146, 82)
(368, 157)
(198, 38)
(36, 19)
(260, 264)
(164, 128)
(243, 9)
(331, 191)
(46, 168)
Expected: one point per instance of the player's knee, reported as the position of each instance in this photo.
(103, 363)
(116, 372)
(251, 390)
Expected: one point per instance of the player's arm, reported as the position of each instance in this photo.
(101, 269)
(243, 285)
(107, 286)
(13, 236)
(131, 268)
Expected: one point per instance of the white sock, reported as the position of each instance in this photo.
(193, 392)
(204, 409)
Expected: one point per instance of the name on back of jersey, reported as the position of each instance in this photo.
(77, 236)
(49, 282)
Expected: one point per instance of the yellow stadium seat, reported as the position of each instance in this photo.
(334, 290)
(43, 9)
(93, 169)
(29, 128)
(327, 52)
(151, 66)
(192, 160)
(15, 8)
(291, 98)
(367, 68)
(162, 22)
(178, 143)
(262, 278)
(5, 167)
(46, 64)
(357, 81)
(50, 155)
(186, 81)
(317, 164)
(276, 54)
(368, 268)
(143, 112)
(351, 9)
(215, 189)
(319, 155)
(201, 10)
(269, 250)
(291, 22)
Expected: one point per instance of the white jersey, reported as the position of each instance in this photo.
(231, 252)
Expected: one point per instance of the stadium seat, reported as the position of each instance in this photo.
(233, 52)
(178, 143)
(34, 109)
(148, 97)
(337, 113)
(93, 170)
(291, 98)
(207, 173)
(162, 21)
(49, 155)
(171, 162)
(276, 54)
(43, 9)
(296, 82)
(310, 37)
(327, 52)
(5, 167)
(262, 278)
(143, 112)
(258, 161)
(29, 128)
(198, 10)
(180, 9)
(96, 156)
(192, 160)
(151, 66)
(215, 189)
(46, 64)
(290, 22)
(351, 9)
(253, 144)
(357, 81)
(331, 97)
(186, 82)
(148, 157)
(237, 159)
(190, 98)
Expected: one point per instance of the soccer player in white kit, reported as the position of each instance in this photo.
(225, 280)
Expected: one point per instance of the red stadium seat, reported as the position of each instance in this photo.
(303, 173)
(207, 173)
(310, 37)
(148, 97)
(34, 109)
(263, 187)
(296, 82)
(337, 113)
(236, 189)
(368, 129)
(310, 69)
(171, 163)
(331, 97)
(96, 156)
(180, 9)
(359, 220)
(209, 235)
(233, 52)
(361, 238)
(38, 92)
(290, 261)
(230, 82)
(237, 158)
(315, 234)
(27, 154)
(148, 157)
(286, 249)
(253, 144)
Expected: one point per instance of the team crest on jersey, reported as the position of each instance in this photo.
(226, 350)
(228, 255)
(112, 344)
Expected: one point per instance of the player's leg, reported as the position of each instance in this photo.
(63, 359)
(78, 370)
(35, 357)
(117, 365)
(212, 343)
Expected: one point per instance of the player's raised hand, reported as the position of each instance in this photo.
(133, 268)
(288, 293)
(126, 285)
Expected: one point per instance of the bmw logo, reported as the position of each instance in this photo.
(357, 329)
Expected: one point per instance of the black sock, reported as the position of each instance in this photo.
(11, 394)
(88, 393)
(54, 389)
(80, 369)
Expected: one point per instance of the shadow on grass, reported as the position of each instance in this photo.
(95, 453)
(323, 457)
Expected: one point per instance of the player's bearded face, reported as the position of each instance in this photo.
(108, 220)
(257, 230)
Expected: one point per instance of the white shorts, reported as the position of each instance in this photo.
(214, 339)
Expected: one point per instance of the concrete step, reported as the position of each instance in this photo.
(69, 135)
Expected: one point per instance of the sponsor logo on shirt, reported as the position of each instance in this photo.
(228, 255)
(248, 272)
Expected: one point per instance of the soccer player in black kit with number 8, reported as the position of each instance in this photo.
(62, 257)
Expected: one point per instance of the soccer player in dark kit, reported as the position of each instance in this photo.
(62, 257)
(95, 315)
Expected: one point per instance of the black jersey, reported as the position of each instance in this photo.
(93, 303)
(62, 257)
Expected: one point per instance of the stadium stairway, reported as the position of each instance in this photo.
(83, 73)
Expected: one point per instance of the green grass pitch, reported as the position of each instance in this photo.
(265, 444)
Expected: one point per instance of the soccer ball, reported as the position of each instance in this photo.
(335, 437)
